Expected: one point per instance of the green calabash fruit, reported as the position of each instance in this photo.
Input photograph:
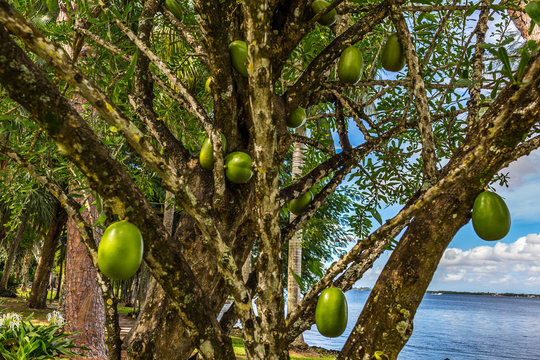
(297, 117)
(206, 157)
(327, 19)
(238, 50)
(238, 167)
(350, 65)
(120, 250)
(393, 57)
(490, 216)
(331, 313)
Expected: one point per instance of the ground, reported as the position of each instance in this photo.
(18, 305)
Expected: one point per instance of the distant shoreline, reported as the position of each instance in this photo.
(467, 293)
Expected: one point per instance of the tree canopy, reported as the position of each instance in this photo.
(112, 94)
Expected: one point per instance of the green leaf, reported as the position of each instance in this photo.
(533, 10)
(316, 268)
(298, 280)
(525, 57)
(131, 69)
(463, 83)
(98, 204)
(430, 17)
(472, 9)
(531, 28)
(493, 94)
(376, 215)
(503, 56)
(487, 46)
(100, 220)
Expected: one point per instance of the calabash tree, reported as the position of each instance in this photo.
(430, 137)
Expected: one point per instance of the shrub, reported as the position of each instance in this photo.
(22, 340)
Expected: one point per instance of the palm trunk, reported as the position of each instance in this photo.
(12, 254)
(38, 294)
(295, 244)
(3, 233)
(25, 269)
(60, 274)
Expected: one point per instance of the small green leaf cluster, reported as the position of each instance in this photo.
(22, 340)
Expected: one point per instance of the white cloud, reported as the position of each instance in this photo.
(525, 166)
(523, 185)
(492, 268)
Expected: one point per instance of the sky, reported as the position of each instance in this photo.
(508, 265)
(511, 264)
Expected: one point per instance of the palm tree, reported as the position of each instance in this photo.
(295, 244)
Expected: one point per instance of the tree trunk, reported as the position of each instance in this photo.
(38, 294)
(295, 244)
(523, 23)
(12, 253)
(386, 322)
(60, 273)
(3, 233)
(159, 329)
(84, 306)
(406, 277)
(25, 269)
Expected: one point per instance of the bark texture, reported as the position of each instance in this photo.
(84, 308)
(38, 293)
(523, 23)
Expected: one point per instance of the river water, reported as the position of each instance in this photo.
(459, 327)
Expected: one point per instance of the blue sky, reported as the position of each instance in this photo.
(470, 263)
(508, 265)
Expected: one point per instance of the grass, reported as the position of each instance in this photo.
(124, 310)
(19, 306)
(26, 294)
(238, 345)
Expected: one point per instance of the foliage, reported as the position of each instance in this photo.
(22, 340)
(463, 74)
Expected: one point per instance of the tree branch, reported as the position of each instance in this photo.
(478, 67)
(342, 126)
(350, 7)
(55, 55)
(429, 163)
(194, 107)
(357, 114)
(294, 226)
(144, 94)
(309, 80)
(27, 84)
(302, 319)
(313, 143)
(187, 35)
(336, 162)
